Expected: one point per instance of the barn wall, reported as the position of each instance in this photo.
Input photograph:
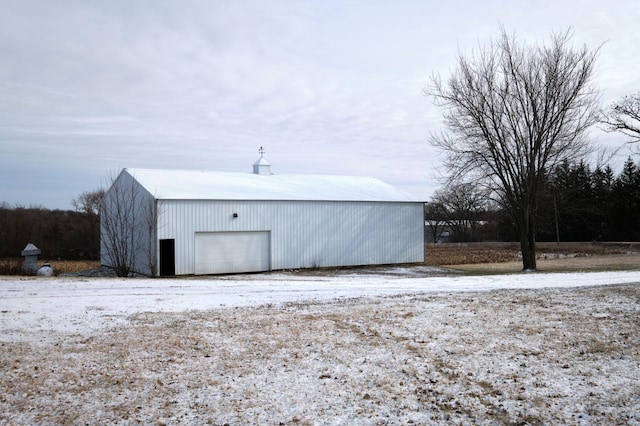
(303, 233)
(127, 220)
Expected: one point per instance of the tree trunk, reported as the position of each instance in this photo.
(528, 244)
(528, 249)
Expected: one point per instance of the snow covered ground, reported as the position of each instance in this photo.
(399, 347)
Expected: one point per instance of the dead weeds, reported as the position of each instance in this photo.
(483, 258)
(502, 357)
(15, 266)
(499, 252)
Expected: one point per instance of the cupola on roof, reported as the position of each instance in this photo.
(262, 166)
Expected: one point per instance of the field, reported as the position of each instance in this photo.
(494, 253)
(512, 352)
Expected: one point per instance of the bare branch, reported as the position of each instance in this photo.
(513, 111)
(624, 117)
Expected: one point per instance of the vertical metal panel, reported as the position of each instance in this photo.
(303, 233)
(128, 201)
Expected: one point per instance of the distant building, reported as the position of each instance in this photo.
(194, 222)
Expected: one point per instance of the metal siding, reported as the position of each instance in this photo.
(303, 233)
(124, 193)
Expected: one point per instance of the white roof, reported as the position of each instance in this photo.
(202, 185)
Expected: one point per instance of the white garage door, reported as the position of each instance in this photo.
(229, 252)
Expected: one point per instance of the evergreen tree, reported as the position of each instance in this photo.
(602, 181)
(626, 203)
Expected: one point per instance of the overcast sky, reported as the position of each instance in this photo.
(326, 87)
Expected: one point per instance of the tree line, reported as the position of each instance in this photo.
(59, 234)
(575, 203)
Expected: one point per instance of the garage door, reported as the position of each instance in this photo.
(229, 252)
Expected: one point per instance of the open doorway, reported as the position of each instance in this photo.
(167, 257)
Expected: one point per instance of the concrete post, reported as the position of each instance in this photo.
(30, 254)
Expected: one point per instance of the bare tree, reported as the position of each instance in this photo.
(463, 206)
(150, 213)
(513, 110)
(117, 227)
(435, 219)
(89, 202)
(624, 117)
(127, 227)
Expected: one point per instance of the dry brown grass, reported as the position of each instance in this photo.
(15, 266)
(470, 253)
(492, 253)
(613, 262)
(11, 266)
(66, 266)
(511, 357)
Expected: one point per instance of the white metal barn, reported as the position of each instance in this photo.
(193, 222)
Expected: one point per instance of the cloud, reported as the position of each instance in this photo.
(325, 87)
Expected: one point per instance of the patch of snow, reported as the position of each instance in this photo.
(85, 304)
(282, 348)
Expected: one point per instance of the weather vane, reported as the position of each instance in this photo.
(261, 151)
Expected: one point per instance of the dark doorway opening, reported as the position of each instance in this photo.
(167, 257)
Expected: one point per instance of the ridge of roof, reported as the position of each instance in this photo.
(221, 185)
